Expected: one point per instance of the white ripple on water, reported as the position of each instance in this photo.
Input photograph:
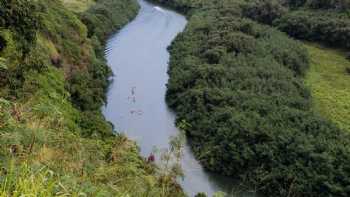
(159, 9)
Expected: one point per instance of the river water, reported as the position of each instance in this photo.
(136, 104)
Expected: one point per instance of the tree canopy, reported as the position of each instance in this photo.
(240, 86)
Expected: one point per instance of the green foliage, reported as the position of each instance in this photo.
(24, 181)
(88, 87)
(22, 17)
(219, 194)
(317, 26)
(72, 50)
(101, 20)
(328, 81)
(94, 125)
(85, 94)
(3, 64)
(201, 195)
(67, 32)
(78, 6)
(3, 43)
(19, 14)
(265, 11)
(239, 85)
(313, 20)
(320, 4)
(55, 142)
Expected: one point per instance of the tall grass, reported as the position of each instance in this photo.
(330, 83)
(20, 181)
(48, 145)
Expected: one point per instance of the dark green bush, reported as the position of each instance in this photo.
(320, 4)
(312, 20)
(329, 4)
(295, 3)
(264, 11)
(348, 56)
(94, 125)
(201, 195)
(348, 70)
(316, 26)
(22, 17)
(2, 43)
(88, 88)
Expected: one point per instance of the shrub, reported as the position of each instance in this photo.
(2, 43)
(316, 26)
(94, 125)
(201, 195)
(22, 17)
(265, 11)
(348, 70)
(330, 4)
(348, 56)
(319, 4)
(295, 3)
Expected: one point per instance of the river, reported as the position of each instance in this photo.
(136, 103)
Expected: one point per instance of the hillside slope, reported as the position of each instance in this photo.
(53, 139)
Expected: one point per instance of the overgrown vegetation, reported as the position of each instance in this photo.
(240, 86)
(330, 28)
(22, 18)
(78, 6)
(102, 21)
(53, 139)
(314, 20)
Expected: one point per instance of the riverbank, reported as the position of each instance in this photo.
(54, 139)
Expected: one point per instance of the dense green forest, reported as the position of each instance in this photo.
(315, 20)
(54, 140)
(240, 84)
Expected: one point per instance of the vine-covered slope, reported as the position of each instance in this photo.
(53, 139)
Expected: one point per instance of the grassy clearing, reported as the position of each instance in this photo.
(78, 5)
(330, 84)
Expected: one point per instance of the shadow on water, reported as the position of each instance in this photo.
(139, 59)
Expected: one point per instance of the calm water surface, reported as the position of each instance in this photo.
(136, 100)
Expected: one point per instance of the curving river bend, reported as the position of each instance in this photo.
(136, 104)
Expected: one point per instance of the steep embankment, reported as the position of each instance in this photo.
(240, 85)
(53, 139)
